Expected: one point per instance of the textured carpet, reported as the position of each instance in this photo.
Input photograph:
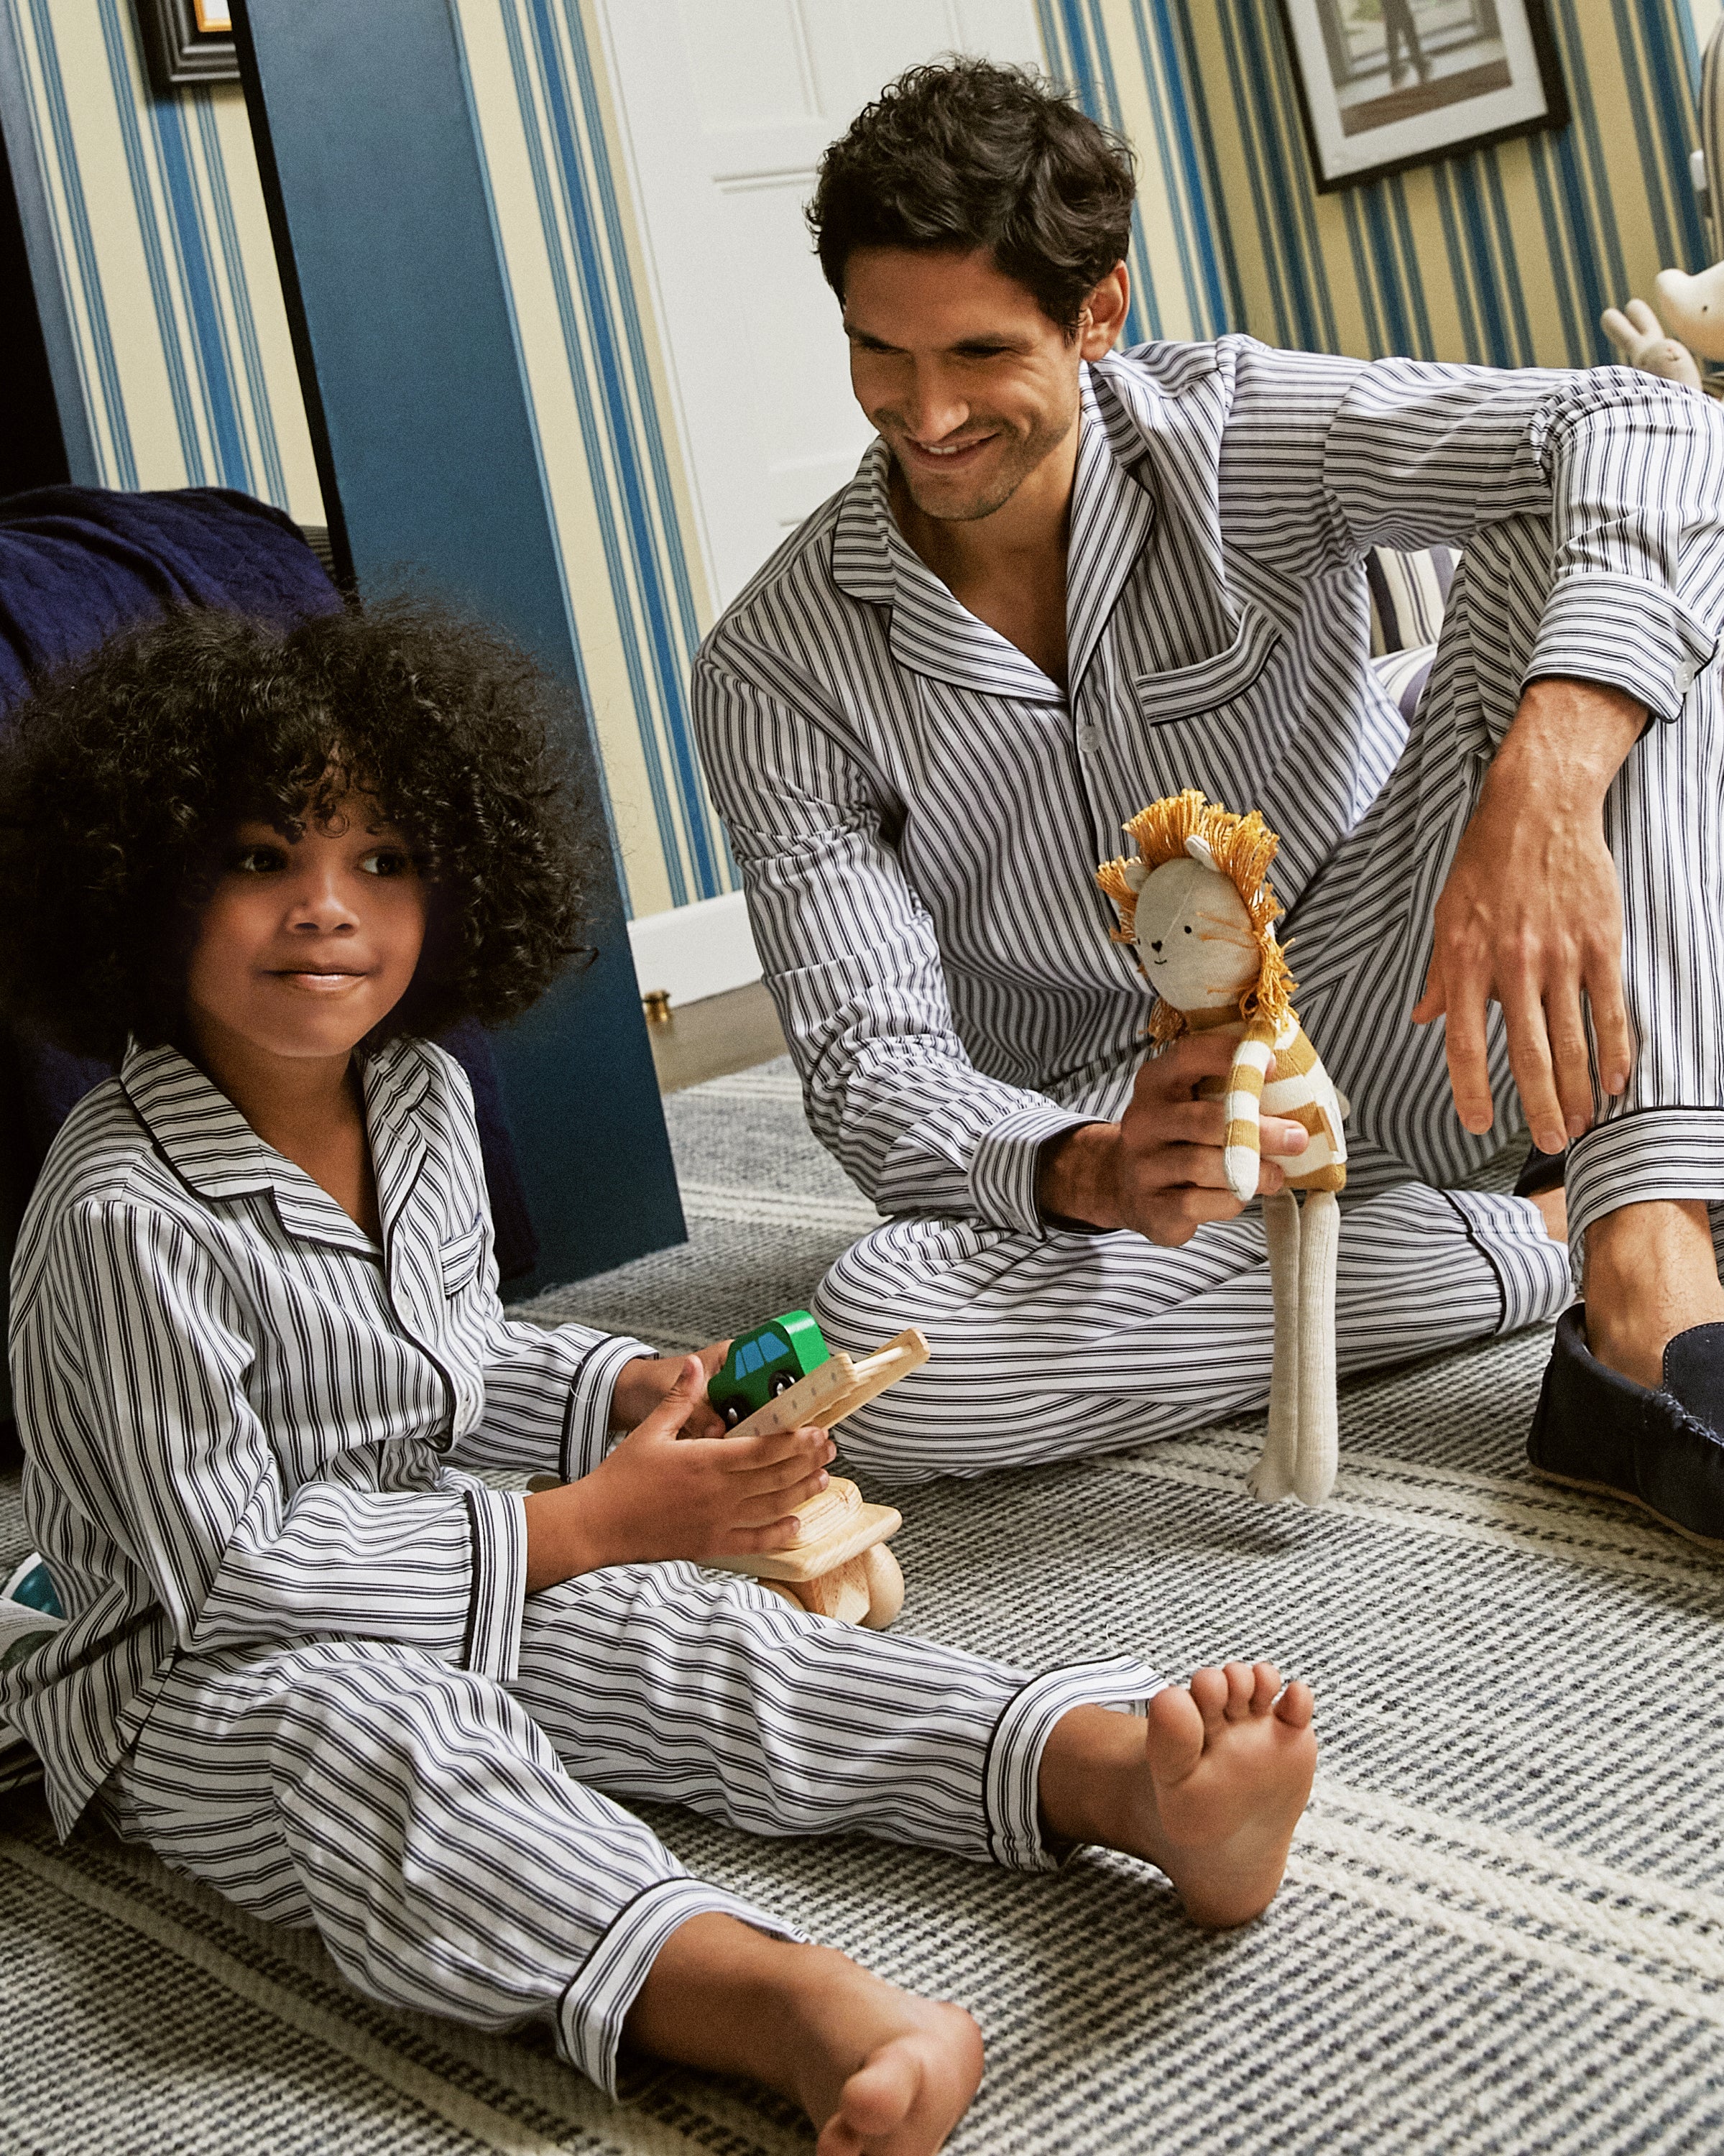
(1503, 1928)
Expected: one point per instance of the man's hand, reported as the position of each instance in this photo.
(1532, 916)
(659, 1494)
(1159, 1168)
(642, 1385)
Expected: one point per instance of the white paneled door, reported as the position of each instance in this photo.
(726, 105)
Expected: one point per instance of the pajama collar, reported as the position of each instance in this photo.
(209, 1145)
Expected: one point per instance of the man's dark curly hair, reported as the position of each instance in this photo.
(962, 154)
(122, 780)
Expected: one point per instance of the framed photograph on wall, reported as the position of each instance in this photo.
(187, 41)
(1385, 83)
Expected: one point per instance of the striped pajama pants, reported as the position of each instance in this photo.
(457, 1843)
(1049, 1345)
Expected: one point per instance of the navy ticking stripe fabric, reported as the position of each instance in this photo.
(301, 1663)
(917, 810)
(461, 1845)
(242, 1418)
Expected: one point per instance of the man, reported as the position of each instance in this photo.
(1063, 583)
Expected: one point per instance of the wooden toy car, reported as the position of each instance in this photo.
(765, 1363)
(839, 1565)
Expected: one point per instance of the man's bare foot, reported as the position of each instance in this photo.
(1211, 1792)
(880, 2071)
(1553, 1205)
(1650, 1273)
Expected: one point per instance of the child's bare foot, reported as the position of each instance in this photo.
(880, 2071)
(1211, 1793)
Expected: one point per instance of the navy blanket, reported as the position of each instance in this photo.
(77, 564)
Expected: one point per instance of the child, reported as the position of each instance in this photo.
(254, 1326)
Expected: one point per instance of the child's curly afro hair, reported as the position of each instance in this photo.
(122, 779)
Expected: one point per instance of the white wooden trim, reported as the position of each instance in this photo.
(695, 951)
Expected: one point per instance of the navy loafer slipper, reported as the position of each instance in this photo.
(1663, 1450)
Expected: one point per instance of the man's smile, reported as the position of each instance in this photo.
(944, 456)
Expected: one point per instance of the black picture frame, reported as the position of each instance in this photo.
(1535, 14)
(177, 53)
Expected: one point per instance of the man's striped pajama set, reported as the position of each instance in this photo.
(917, 811)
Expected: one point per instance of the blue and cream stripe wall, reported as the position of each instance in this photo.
(178, 342)
(170, 308)
(613, 471)
(1506, 256)
(184, 372)
(1132, 64)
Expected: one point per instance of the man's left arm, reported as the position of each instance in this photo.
(1632, 473)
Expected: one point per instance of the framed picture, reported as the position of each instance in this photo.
(1385, 83)
(187, 41)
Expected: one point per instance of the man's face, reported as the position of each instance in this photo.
(971, 384)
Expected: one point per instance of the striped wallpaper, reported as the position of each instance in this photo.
(184, 372)
(1131, 63)
(1507, 256)
(613, 470)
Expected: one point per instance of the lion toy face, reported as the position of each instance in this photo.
(1193, 937)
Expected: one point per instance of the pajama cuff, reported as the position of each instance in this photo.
(586, 1420)
(593, 2009)
(1002, 1168)
(1012, 1776)
(1626, 632)
(1533, 1285)
(1649, 1153)
(498, 1522)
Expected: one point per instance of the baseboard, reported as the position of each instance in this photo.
(695, 951)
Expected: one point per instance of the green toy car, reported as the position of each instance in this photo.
(765, 1363)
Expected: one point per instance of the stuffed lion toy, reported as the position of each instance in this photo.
(1195, 904)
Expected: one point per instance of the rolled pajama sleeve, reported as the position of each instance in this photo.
(497, 1522)
(1627, 470)
(548, 1391)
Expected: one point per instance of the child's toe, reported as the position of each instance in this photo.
(1241, 1682)
(1211, 1691)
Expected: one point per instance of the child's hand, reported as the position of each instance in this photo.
(656, 1495)
(642, 1385)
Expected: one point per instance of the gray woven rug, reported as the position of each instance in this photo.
(1503, 1928)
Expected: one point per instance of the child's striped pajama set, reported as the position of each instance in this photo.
(301, 1662)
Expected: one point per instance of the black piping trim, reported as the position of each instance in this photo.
(471, 1498)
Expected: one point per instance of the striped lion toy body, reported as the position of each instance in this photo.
(1195, 904)
(1301, 1092)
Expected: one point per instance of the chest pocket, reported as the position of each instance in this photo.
(1211, 682)
(459, 1259)
(1202, 725)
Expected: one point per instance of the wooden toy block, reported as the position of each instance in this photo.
(838, 1566)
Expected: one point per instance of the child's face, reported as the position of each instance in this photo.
(305, 945)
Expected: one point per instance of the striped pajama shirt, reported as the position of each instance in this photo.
(917, 812)
(300, 1659)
